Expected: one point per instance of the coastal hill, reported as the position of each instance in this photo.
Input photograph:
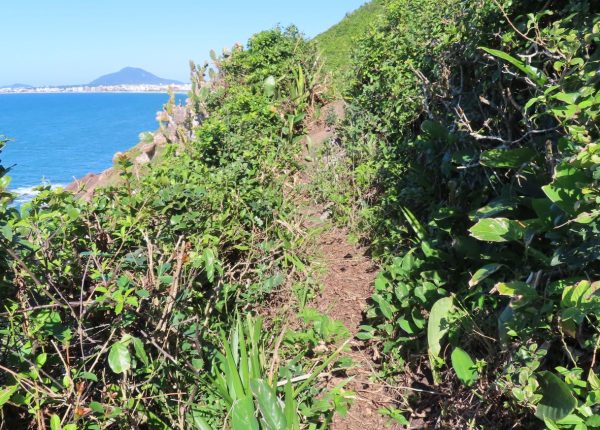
(337, 42)
(132, 76)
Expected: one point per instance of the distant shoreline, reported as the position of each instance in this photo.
(92, 92)
(84, 89)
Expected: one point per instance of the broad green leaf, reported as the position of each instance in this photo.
(507, 158)
(269, 405)
(464, 367)
(551, 425)
(484, 272)
(394, 415)
(67, 381)
(55, 422)
(5, 180)
(573, 294)
(569, 320)
(97, 407)
(546, 211)
(530, 71)
(7, 232)
(566, 189)
(243, 415)
(87, 375)
(6, 393)
(417, 318)
(232, 375)
(565, 198)
(209, 264)
(384, 306)
(587, 217)
(40, 360)
(119, 359)
(364, 335)
(570, 419)
(437, 326)
(115, 412)
(557, 400)
(140, 352)
(494, 208)
(532, 101)
(593, 380)
(497, 230)
(72, 212)
(199, 421)
(405, 325)
(512, 289)
(381, 282)
(569, 98)
(593, 421)
(401, 291)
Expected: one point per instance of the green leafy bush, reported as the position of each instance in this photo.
(480, 121)
(114, 310)
(6, 216)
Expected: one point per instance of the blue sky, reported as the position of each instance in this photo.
(62, 42)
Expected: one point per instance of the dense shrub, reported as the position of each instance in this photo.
(6, 215)
(121, 312)
(473, 127)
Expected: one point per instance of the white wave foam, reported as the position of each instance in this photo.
(25, 194)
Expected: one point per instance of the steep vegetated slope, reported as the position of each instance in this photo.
(336, 43)
(471, 139)
(137, 308)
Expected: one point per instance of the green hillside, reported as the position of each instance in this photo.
(336, 43)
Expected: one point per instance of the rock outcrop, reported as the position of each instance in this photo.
(176, 124)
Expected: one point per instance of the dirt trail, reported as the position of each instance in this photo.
(347, 281)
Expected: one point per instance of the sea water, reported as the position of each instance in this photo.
(56, 138)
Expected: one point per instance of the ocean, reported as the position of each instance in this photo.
(56, 138)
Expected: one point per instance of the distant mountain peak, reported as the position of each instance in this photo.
(132, 76)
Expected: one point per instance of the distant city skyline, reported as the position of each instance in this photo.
(69, 42)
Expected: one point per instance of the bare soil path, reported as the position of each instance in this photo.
(347, 280)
